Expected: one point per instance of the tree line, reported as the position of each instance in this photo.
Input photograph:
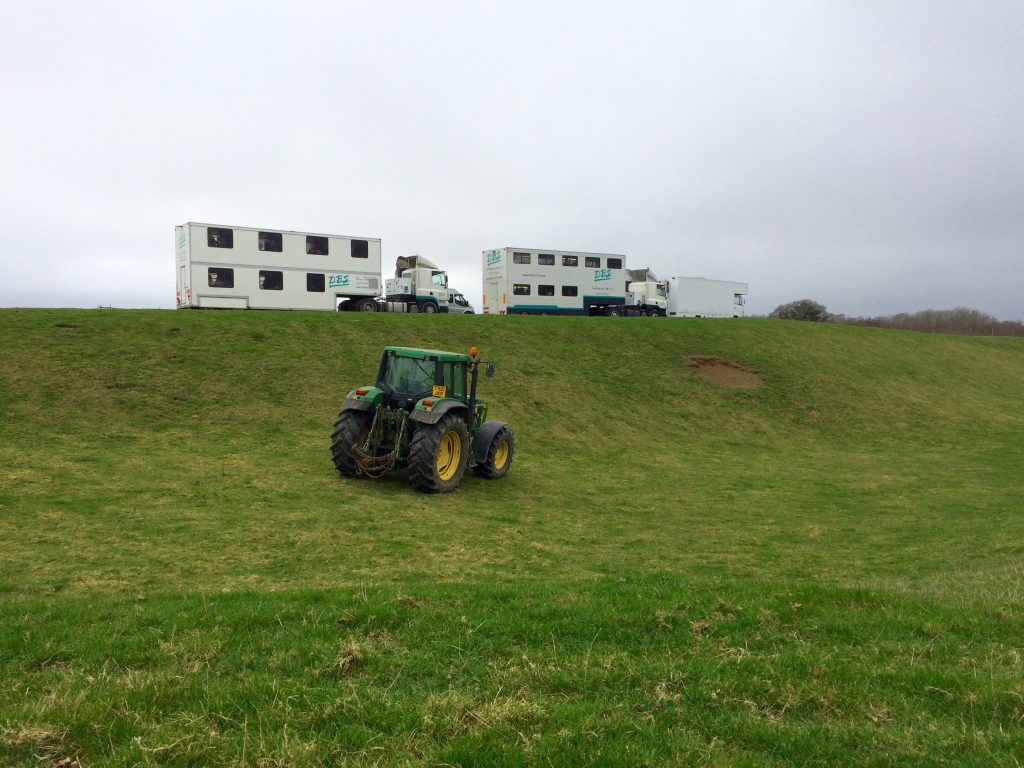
(960, 320)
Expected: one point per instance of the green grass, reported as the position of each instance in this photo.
(825, 570)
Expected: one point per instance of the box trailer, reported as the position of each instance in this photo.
(247, 268)
(542, 281)
(700, 297)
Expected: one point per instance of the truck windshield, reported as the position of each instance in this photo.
(439, 279)
(407, 375)
(662, 291)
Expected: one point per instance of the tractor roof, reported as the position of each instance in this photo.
(448, 357)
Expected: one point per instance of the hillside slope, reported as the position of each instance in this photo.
(854, 431)
(154, 461)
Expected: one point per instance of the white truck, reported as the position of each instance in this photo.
(700, 297)
(545, 281)
(418, 286)
(246, 268)
(646, 295)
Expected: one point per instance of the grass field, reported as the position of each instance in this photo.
(823, 570)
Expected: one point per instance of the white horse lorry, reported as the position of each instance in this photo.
(226, 267)
(537, 281)
(700, 297)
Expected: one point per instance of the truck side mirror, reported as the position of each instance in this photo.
(490, 370)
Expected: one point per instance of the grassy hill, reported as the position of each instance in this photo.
(824, 569)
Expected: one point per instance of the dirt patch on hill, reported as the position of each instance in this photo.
(726, 374)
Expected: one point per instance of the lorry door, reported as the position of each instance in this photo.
(185, 293)
(493, 298)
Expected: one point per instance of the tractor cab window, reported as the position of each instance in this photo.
(439, 278)
(407, 375)
(662, 290)
(455, 379)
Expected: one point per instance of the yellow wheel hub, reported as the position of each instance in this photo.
(501, 455)
(449, 452)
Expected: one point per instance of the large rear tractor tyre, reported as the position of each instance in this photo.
(438, 454)
(499, 456)
(350, 429)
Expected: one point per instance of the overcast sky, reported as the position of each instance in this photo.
(868, 155)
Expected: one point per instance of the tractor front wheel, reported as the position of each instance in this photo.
(438, 454)
(499, 456)
(350, 429)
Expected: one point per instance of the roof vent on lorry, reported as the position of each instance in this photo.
(640, 275)
(403, 263)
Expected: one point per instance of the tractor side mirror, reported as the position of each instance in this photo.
(490, 370)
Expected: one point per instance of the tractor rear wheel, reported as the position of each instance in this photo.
(438, 454)
(499, 456)
(350, 429)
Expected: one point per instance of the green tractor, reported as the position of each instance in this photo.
(423, 413)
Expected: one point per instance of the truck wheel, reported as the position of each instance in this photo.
(657, 313)
(428, 306)
(350, 429)
(438, 454)
(367, 305)
(499, 456)
(613, 312)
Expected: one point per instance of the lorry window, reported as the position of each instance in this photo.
(217, 237)
(614, 263)
(570, 261)
(360, 249)
(520, 289)
(270, 241)
(314, 282)
(547, 259)
(219, 277)
(592, 262)
(545, 290)
(271, 280)
(439, 278)
(662, 290)
(316, 246)
(569, 290)
(520, 258)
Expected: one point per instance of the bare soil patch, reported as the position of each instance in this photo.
(725, 373)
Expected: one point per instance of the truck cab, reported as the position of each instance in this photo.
(418, 283)
(645, 293)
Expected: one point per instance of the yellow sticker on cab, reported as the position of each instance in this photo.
(440, 390)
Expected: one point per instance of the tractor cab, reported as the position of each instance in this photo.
(407, 376)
